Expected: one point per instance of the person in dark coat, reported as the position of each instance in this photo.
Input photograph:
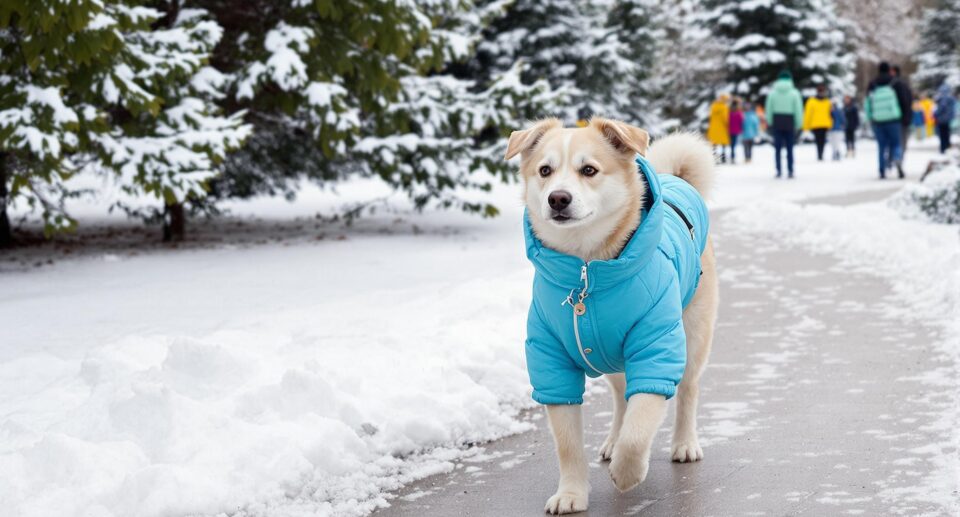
(944, 114)
(852, 116)
(906, 106)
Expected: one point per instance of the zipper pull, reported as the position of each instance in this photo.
(579, 308)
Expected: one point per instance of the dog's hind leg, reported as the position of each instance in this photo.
(618, 385)
(566, 422)
(698, 322)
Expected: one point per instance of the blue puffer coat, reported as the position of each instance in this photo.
(631, 308)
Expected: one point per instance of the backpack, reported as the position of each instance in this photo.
(883, 105)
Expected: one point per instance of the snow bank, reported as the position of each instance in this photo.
(313, 408)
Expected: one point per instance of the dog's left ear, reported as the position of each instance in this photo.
(624, 137)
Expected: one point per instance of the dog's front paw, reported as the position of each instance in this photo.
(566, 501)
(628, 468)
(606, 450)
(687, 451)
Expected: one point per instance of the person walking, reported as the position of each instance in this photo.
(751, 130)
(905, 94)
(944, 113)
(718, 128)
(816, 118)
(736, 128)
(784, 109)
(919, 123)
(851, 116)
(837, 131)
(761, 114)
(883, 110)
(927, 105)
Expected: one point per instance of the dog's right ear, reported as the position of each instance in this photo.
(525, 140)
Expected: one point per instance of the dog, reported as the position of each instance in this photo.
(625, 287)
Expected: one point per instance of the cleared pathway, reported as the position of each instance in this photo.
(816, 402)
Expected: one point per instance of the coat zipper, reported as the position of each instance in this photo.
(576, 317)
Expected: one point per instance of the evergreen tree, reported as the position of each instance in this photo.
(567, 44)
(688, 68)
(111, 87)
(343, 89)
(765, 36)
(634, 44)
(938, 57)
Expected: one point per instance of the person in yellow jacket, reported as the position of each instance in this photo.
(718, 128)
(817, 118)
(926, 104)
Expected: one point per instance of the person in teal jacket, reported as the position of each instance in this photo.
(751, 130)
(619, 315)
(784, 113)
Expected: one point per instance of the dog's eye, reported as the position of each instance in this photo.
(545, 170)
(588, 170)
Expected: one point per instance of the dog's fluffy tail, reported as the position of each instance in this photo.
(687, 156)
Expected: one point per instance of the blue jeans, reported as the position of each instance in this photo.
(733, 147)
(888, 144)
(783, 139)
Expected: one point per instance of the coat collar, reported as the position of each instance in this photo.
(566, 270)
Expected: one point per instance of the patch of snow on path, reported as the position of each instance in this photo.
(920, 261)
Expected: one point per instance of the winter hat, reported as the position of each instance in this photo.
(784, 74)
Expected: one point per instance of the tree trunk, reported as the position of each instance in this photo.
(6, 233)
(174, 223)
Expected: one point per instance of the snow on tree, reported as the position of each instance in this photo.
(567, 44)
(365, 89)
(805, 37)
(688, 66)
(622, 77)
(881, 29)
(938, 57)
(110, 87)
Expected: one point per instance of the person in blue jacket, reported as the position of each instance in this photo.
(623, 314)
(751, 129)
(944, 114)
(919, 122)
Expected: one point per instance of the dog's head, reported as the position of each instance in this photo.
(579, 183)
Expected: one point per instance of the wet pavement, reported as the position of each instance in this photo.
(816, 402)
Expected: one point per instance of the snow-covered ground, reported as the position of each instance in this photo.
(312, 377)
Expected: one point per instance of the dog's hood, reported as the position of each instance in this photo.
(565, 270)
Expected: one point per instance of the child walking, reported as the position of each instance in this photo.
(751, 130)
(837, 131)
(919, 122)
(736, 128)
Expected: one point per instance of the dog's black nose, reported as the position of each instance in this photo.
(559, 199)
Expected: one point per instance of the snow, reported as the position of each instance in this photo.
(285, 44)
(314, 377)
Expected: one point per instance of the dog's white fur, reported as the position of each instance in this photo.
(603, 212)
